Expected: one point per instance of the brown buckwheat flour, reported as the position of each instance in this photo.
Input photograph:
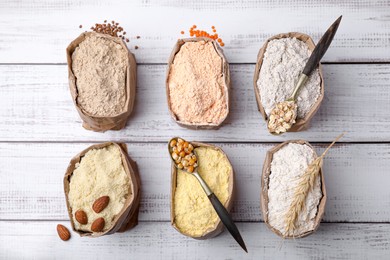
(99, 66)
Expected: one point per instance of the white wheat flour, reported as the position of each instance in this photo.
(284, 60)
(99, 65)
(287, 166)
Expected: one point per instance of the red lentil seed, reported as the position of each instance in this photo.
(199, 33)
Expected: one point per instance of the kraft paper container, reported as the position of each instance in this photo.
(218, 228)
(101, 123)
(128, 217)
(264, 190)
(226, 75)
(301, 123)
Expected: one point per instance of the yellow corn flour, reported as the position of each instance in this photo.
(194, 214)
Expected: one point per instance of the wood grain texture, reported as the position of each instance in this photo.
(36, 106)
(356, 178)
(44, 28)
(40, 130)
(160, 241)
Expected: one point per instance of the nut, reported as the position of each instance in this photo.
(100, 204)
(98, 225)
(81, 217)
(63, 232)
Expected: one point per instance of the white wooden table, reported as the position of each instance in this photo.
(40, 129)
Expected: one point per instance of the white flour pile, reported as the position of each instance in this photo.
(287, 167)
(100, 65)
(284, 60)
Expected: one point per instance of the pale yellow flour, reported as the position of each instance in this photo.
(194, 214)
(99, 173)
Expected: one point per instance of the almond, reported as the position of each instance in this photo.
(63, 232)
(100, 204)
(98, 225)
(81, 217)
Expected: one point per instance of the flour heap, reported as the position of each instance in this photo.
(284, 60)
(99, 65)
(99, 173)
(194, 214)
(287, 167)
(196, 85)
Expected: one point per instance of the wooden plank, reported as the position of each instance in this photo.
(356, 176)
(39, 240)
(363, 35)
(36, 106)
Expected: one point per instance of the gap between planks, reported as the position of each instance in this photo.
(230, 63)
(320, 143)
(168, 221)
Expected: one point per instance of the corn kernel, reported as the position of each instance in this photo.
(180, 166)
(173, 143)
(179, 148)
(184, 163)
(190, 168)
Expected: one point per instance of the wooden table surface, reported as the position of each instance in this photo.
(40, 129)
